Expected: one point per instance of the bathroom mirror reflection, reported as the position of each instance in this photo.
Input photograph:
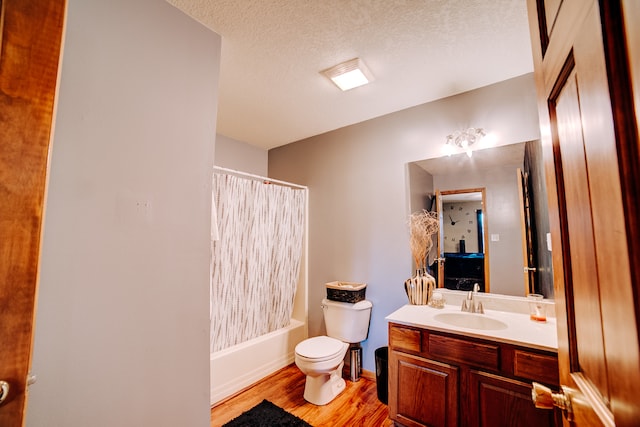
(462, 257)
(515, 219)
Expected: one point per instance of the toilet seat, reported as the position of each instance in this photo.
(319, 349)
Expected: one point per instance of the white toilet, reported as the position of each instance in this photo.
(322, 358)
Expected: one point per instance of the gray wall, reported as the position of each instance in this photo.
(420, 189)
(358, 180)
(122, 328)
(237, 155)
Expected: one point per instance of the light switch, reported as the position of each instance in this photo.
(495, 237)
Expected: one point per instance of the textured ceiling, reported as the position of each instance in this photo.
(271, 89)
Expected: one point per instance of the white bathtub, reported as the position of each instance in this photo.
(237, 367)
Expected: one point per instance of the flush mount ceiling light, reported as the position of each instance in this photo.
(349, 74)
(464, 139)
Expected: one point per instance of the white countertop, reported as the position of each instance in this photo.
(520, 330)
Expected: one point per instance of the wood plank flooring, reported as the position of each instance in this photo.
(358, 405)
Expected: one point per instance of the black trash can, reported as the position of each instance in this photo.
(382, 373)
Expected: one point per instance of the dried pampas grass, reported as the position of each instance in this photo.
(422, 226)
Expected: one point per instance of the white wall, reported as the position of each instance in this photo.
(465, 228)
(237, 155)
(357, 178)
(122, 331)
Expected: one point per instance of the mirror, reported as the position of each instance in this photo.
(462, 258)
(515, 224)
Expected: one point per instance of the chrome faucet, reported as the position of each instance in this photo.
(470, 305)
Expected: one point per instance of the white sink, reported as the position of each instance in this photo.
(470, 320)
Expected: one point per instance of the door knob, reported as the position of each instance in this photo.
(4, 391)
(544, 398)
(528, 269)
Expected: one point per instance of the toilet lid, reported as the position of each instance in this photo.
(320, 348)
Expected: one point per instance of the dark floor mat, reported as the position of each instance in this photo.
(266, 414)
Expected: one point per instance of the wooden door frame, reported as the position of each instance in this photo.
(620, 42)
(30, 52)
(525, 230)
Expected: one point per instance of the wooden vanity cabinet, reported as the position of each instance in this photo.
(439, 379)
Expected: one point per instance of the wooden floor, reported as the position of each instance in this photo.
(358, 405)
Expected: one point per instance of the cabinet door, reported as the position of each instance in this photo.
(425, 392)
(496, 401)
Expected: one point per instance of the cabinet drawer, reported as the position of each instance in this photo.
(406, 339)
(469, 352)
(536, 367)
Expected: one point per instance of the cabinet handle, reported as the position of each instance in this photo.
(4, 391)
(544, 398)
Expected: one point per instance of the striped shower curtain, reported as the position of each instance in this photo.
(256, 259)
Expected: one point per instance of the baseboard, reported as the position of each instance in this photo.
(368, 375)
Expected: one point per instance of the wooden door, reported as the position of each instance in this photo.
(30, 36)
(589, 141)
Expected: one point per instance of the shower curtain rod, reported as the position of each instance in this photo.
(263, 178)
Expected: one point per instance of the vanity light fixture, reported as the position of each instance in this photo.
(464, 140)
(349, 74)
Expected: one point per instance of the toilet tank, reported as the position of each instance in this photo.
(345, 321)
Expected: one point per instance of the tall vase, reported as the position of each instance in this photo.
(420, 287)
